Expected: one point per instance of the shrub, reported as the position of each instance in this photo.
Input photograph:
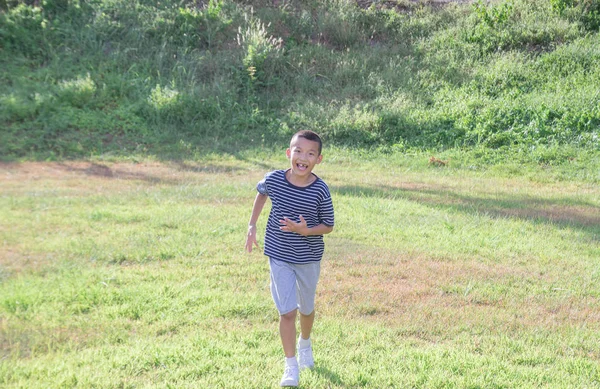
(586, 11)
(78, 91)
(23, 30)
(200, 28)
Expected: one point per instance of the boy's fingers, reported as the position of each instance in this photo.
(249, 245)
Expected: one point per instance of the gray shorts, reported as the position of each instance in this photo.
(294, 286)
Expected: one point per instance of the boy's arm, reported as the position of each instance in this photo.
(259, 203)
(302, 229)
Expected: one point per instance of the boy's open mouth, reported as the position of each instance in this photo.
(302, 166)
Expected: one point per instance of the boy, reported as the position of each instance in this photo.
(301, 214)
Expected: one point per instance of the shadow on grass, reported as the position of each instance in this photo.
(565, 212)
(160, 173)
(101, 170)
(329, 375)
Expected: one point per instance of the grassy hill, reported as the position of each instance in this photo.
(507, 79)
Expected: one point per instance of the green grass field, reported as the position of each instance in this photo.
(116, 274)
(132, 135)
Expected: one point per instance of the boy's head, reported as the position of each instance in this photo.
(304, 152)
(309, 135)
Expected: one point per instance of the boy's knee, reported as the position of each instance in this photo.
(307, 314)
(289, 316)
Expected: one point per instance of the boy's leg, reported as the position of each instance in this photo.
(308, 277)
(283, 290)
(287, 331)
(306, 324)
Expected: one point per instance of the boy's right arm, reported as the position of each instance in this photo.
(259, 203)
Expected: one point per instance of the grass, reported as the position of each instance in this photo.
(171, 78)
(132, 274)
(133, 134)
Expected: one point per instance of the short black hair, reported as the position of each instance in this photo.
(310, 135)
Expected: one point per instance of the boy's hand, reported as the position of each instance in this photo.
(251, 238)
(288, 225)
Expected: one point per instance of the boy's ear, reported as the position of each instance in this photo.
(288, 153)
(319, 158)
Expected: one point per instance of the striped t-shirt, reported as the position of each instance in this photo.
(313, 202)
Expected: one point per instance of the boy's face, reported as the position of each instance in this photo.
(303, 155)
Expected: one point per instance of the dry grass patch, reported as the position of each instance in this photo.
(14, 260)
(20, 339)
(412, 290)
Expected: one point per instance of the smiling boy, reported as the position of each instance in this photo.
(301, 213)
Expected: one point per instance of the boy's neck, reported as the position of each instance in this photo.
(300, 181)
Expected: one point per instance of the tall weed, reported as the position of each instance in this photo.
(259, 49)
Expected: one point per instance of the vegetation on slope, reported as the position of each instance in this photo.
(172, 78)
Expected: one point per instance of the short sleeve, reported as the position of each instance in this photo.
(326, 215)
(262, 186)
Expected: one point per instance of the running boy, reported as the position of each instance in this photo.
(301, 213)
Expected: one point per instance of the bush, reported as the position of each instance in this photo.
(200, 28)
(23, 29)
(585, 11)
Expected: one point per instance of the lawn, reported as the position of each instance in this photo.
(132, 274)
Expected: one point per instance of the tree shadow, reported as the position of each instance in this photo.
(206, 168)
(95, 169)
(566, 212)
(262, 164)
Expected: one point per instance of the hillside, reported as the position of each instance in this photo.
(176, 78)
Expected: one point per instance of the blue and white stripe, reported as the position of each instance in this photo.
(312, 202)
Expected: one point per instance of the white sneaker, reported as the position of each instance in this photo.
(305, 358)
(290, 376)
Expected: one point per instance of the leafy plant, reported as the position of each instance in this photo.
(493, 15)
(201, 27)
(587, 11)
